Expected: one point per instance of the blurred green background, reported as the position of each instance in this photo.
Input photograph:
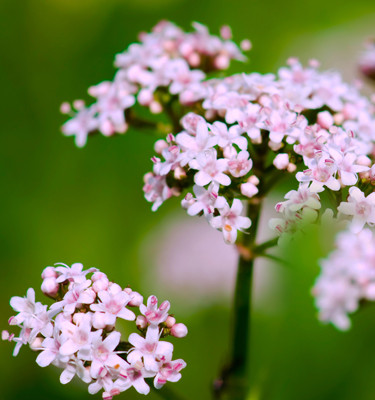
(60, 203)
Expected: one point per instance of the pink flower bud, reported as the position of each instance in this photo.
(254, 180)
(49, 272)
(170, 321)
(100, 284)
(155, 107)
(179, 330)
(281, 161)
(325, 119)
(221, 61)
(145, 97)
(78, 104)
(50, 287)
(65, 108)
(194, 59)
(136, 299)
(141, 322)
(98, 275)
(160, 145)
(226, 32)
(245, 45)
(248, 189)
(5, 335)
(291, 167)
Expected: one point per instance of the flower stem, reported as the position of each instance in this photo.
(234, 381)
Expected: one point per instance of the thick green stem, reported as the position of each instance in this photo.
(234, 381)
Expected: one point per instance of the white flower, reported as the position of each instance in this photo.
(360, 207)
(230, 220)
(112, 305)
(240, 165)
(169, 371)
(210, 169)
(150, 349)
(155, 315)
(204, 200)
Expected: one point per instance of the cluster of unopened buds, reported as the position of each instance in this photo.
(77, 333)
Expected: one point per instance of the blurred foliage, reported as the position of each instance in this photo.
(61, 203)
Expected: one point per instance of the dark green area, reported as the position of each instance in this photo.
(60, 203)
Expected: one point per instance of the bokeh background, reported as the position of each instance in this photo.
(60, 203)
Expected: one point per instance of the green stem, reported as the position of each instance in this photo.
(260, 248)
(274, 258)
(234, 381)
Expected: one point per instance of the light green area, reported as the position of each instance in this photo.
(60, 203)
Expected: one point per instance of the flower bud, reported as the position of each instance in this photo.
(222, 61)
(325, 119)
(5, 335)
(136, 299)
(170, 321)
(248, 189)
(179, 330)
(160, 145)
(50, 287)
(155, 107)
(141, 322)
(100, 284)
(65, 108)
(281, 161)
(49, 272)
(145, 97)
(245, 45)
(98, 275)
(291, 167)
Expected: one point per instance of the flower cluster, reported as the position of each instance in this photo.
(166, 61)
(367, 60)
(77, 332)
(347, 278)
(257, 127)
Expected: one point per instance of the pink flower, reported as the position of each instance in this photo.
(155, 315)
(240, 165)
(230, 220)
(113, 305)
(149, 349)
(169, 371)
(360, 207)
(74, 273)
(204, 200)
(210, 169)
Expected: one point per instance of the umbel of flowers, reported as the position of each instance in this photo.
(78, 334)
(231, 139)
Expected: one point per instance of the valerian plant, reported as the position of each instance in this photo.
(227, 142)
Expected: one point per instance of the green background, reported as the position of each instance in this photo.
(60, 203)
